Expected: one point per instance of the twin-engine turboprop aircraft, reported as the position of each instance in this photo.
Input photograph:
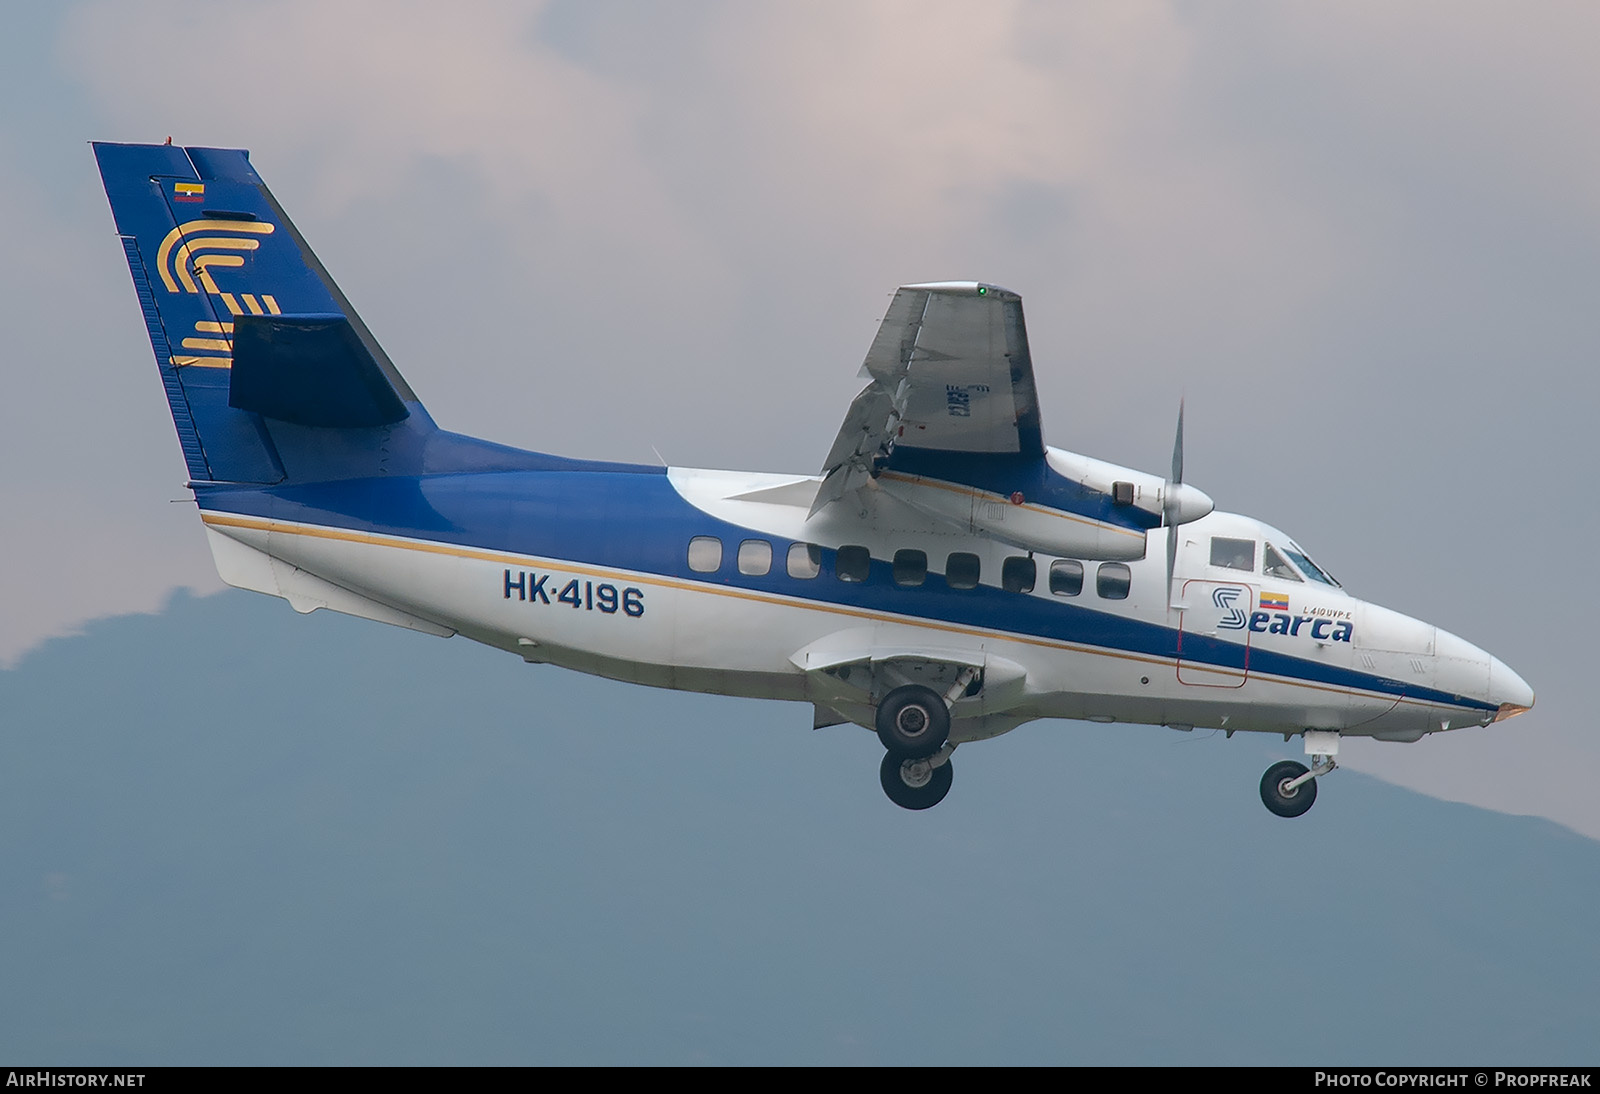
(946, 578)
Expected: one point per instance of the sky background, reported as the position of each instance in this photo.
(1360, 240)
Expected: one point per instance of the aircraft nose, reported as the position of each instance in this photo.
(1509, 690)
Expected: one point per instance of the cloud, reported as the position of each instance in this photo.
(87, 456)
(503, 183)
(369, 88)
(671, 202)
(81, 555)
(862, 145)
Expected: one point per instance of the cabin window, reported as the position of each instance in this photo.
(961, 570)
(755, 557)
(910, 567)
(1017, 574)
(1066, 577)
(805, 560)
(853, 563)
(1112, 581)
(1274, 565)
(705, 554)
(1233, 554)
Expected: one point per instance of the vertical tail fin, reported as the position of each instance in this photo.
(257, 347)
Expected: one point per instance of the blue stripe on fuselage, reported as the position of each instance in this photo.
(631, 518)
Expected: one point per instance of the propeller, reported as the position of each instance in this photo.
(1179, 505)
(1169, 501)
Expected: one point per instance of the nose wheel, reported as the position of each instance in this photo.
(1281, 791)
(1289, 788)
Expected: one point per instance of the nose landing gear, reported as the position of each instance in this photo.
(1288, 788)
(1284, 792)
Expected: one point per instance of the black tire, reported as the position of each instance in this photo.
(913, 722)
(1298, 800)
(906, 796)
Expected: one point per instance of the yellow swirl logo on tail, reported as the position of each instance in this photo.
(185, 260)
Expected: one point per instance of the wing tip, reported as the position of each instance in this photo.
(963, 288)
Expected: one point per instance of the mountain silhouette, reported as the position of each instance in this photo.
(230, 834)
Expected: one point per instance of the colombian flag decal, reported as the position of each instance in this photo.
(188, 191)
(1275, 602)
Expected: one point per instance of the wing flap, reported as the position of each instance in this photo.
(863, 438)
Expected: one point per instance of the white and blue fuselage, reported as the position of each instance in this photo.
(590, 570)
(946, 578)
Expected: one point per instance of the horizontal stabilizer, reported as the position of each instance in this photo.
(310, 370)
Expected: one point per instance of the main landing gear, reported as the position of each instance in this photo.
(1288, 788)
(913, 722)
(916, 784)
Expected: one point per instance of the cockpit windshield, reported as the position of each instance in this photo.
(1309, 568)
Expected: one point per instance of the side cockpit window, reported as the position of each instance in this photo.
(1275, 565)
(1233, 554)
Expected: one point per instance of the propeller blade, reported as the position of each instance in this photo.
(1169, 507)
(1180, 504)
(1178, 447)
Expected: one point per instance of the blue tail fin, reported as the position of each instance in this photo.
(270, 374)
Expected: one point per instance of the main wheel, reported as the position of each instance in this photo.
(914, 784)
(913, 721)
(1291, 803)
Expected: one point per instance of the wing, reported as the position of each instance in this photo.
(949, 425)
(951, 373)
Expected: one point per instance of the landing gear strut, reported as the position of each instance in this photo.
(1289, 788)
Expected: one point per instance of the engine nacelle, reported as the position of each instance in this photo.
(1020, 523)
(1032, 524)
